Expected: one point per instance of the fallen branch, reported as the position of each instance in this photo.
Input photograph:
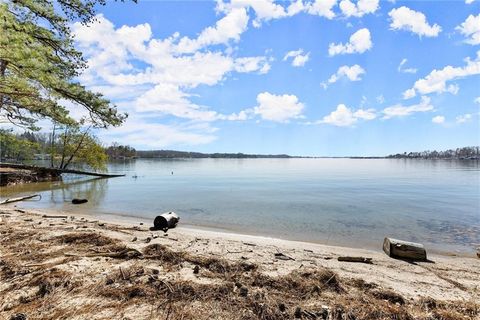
(356, 259)
(20, 199)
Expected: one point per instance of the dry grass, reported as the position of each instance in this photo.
(106, 280)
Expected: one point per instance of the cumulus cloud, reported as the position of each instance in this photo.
(145, 134)
(436, 81)
(299, 58)
(400, 110)
(477, 100)
(405, 70)
(154, 77)
(359, 9)
(323, 8)
(438, 119)
(278, 108)
(346, 117)
(228, 28)
(404, 18)
(470, 28)
(359, 42)
(463, 118)
(469, 1)
(352, 73)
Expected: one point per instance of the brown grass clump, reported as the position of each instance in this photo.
(86, 238)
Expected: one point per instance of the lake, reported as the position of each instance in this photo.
(351, 202)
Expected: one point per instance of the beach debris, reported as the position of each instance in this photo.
(19, 316)
(249, 244)
(243, 291)
(356, 259)
(196, 270)
(79, 201)
(148, 239)
(281, 256)
(134, 239)
(404, 250)
(54, 217)
(20, 198)
(166, 221)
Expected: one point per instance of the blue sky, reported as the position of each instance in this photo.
(326, 78)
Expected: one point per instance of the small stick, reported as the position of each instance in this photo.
(356, 259)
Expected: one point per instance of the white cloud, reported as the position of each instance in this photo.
(228, 28)
(436, 81)
(399, 110)
(463, 118)
(265, 10)
(404, 18)
(438, 119)
(359, 42)
(278, 108)
(299, 58)
(380, 99)
(469, 1)
(154, 135)
(168, 74)
(151, 77)
(359, 9)
(322, 8)
(477, 100)
(345, 117)
(405, 70)
(352, 73)
(470, 28)
(252, 64)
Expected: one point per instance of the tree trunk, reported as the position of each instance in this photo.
(52, 144)
(3, 68)
(76, 150)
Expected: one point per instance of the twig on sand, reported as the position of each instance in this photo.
(356, 259)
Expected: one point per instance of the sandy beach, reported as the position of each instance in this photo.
(61, 266)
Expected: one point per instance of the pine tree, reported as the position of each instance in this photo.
(39, 64)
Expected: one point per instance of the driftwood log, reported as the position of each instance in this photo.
(166, 221)
(404, 250)
(19, 199)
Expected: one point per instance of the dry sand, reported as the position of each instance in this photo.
(55, 268)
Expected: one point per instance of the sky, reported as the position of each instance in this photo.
(314, 78)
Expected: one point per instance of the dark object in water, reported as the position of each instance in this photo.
(79, 201)
(404, 250)
(166, 221)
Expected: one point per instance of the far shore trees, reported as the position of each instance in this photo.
(39, 65)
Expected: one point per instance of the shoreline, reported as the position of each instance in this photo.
(112, 217)
(88, 263)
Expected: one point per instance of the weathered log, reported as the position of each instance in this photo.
(355, 259)
(166, 221)
(20, 199)
(403, 249)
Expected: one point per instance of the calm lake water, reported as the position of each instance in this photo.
(335, 201)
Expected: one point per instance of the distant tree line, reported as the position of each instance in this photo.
(459, 153)
(118, 151)
(171, 154)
